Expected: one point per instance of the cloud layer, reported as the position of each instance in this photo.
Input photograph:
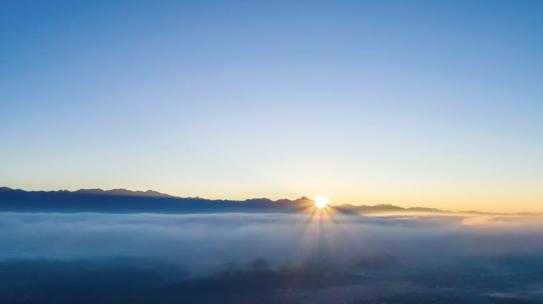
(209, 242)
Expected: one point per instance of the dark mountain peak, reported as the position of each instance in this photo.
(13, 190)
(299, 201)
(90, 191)
(303, 202)
(283, 201)
(258, 200)
(155, 193)
(122, 192)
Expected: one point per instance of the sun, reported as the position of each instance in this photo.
(321, 201)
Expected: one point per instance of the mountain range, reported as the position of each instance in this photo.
(123, 201)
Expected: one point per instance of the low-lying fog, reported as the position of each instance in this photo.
(286, 258)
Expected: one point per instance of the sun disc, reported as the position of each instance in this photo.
(321, 202)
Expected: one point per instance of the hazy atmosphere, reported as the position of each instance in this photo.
(274, 152)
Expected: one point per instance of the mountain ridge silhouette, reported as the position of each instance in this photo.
(121, 200)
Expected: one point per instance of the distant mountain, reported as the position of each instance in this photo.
(148, 193)
(387, 208)
(123, 201)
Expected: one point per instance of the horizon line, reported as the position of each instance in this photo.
(159, 194)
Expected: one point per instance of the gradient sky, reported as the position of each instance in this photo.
(429, 103)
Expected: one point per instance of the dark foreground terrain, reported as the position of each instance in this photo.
(124, 281)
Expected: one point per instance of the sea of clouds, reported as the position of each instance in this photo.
(201, 244)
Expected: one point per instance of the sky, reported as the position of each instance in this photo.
(419, 103)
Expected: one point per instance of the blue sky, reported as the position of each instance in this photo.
(430, 103)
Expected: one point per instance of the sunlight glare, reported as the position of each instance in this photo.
(321, 201)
